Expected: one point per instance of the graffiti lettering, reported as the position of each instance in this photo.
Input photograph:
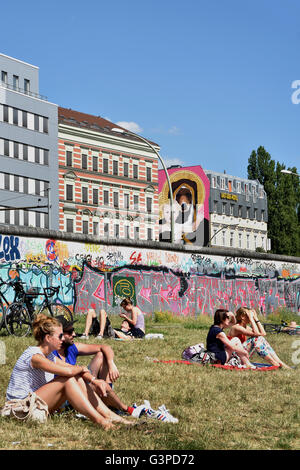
(9, 245)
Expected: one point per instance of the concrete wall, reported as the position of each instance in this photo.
(159, 277)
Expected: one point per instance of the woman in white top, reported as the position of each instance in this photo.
(54, 381)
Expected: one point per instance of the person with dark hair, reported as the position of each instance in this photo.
(218, 343)
(54, 381)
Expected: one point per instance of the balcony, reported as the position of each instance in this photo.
(25, 92)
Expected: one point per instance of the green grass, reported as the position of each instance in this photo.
(217, 409)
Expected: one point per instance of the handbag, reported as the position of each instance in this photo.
(30, 408)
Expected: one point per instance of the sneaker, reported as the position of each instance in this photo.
(161, 414)
(99, 337)
(138, 411)
(170, 418)
(84, 337)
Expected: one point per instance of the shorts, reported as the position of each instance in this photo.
(137, 332)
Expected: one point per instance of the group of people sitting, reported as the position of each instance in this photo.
(50, 369)
(246, 335)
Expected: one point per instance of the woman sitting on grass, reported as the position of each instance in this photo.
(253, 337)
(54, 381)
(218, 343)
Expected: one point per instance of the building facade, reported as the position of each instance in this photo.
(28, 148)
(238, 212)
(108, 182)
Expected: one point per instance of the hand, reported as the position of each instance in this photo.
(113, 372)
(101, 387)
(255, 317)
(122, 315)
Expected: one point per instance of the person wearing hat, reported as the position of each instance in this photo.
(102, 366)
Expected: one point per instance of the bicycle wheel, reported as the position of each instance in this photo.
(17, 320)
(56, 309)
(272, 328)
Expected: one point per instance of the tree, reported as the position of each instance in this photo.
(283, 193)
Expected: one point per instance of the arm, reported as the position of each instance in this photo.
(239, 349)
(58, 368)
(239, 329)
(131, 321)
(258, 326)
(107, 351)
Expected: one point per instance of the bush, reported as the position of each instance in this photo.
(283, 314)
(166, 317)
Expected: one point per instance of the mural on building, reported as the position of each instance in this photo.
(99, 276)
(190, 187)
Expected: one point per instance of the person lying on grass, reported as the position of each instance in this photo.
(251, 333)
(54, 381)
(218, 343)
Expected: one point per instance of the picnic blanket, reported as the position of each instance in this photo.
(259, 367)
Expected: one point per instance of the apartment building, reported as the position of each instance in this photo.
(28, 148)
(108, 182)
(238, 212)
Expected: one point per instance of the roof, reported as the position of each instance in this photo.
(95, 123)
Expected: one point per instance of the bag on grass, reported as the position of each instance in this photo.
(108, 329)
(30, 408)
(199, 354)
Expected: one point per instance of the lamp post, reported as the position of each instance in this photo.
(123, 131)
(223, 226)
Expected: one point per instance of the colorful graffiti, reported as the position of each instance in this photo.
(182, 282)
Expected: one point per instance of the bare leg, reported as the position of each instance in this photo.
(236, 342)
(56, 392)
(121, 335)
(89, 319)
(99, 368)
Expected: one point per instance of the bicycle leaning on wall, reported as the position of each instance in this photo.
(18, 316)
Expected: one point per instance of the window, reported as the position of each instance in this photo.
(5, 113)
(69, 225)
(222, 183)
(15, 116)
(15, 81)
(95, 196)
(6, 181)
(24, 119)
(16, 150)
(223, 207)
(117, 231)
(69, 159)
(6, 148)
(105, 165)
(84, 161)
(36, 122)
(215, 206)
(45, 125)
(149, 233)
(85, 227)
(4, 76)
(213, 182)
(248, 213)
(106, 197)
(69, 192)
(25, 152)
(115, 168)
(262, 216)
(238, 186)
(135, 171)
(126, 172)
(127, 231)
(248, 242)
(37, 155)
(106, 230)
(95, 163)
(46, 157)
(231, 239)
(149, 174)
(126, 201)
(223, 238)
(240, 240)
(240, 211)
(95, 228)
(84, 194)
(136, 233)
(116, 200)
(26, 85)
(37, 219)
(231, 209)
(255, 214)
(149, 204)
(136, 202)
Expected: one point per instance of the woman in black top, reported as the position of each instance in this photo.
(218, 343)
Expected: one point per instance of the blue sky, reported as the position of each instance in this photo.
(209, 81)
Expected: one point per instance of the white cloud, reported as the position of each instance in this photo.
(131, 126)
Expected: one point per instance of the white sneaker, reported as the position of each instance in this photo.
(99, 337)
(138, 410)
(84, 337)
(161, 414)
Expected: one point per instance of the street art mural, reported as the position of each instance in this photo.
(190, 187)
(185, 283)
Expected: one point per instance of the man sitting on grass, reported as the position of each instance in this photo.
(101, 366)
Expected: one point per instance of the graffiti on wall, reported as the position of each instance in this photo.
(98, 276)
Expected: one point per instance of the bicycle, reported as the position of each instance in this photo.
(283, 327)
(19, 315)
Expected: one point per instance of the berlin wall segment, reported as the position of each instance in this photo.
(185, 281)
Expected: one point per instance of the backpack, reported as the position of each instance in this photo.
(199, 354)
(108, 330)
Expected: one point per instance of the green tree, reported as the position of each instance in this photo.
(283, 193)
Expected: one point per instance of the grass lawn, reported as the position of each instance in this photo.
(217, 409)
